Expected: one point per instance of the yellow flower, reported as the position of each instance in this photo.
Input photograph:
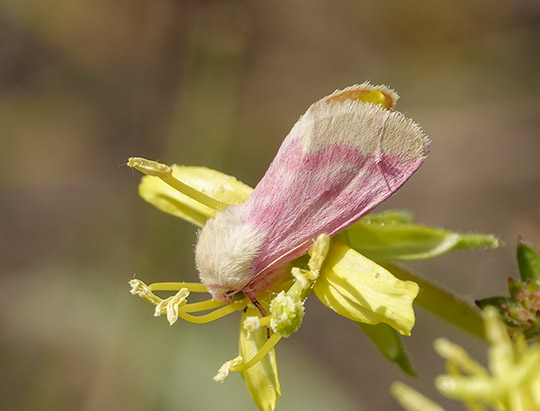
(512, 382)
(344, 280)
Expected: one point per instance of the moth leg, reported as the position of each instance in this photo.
(256, 303)
(259, 307)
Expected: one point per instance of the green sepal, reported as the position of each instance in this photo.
(494, 301)
(389, 217)
(515, 287)
(391, 236)
(502, 304)
(533, 286)
(522, 309)
(528, 262)
(389, 343)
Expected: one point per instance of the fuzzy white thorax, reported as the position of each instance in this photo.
(225, 252)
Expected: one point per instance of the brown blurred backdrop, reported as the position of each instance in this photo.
(85, 85)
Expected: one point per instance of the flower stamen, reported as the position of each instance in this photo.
(252, 323)
(171, 305)
(142, 290)
(176, 306)
(265, 349)
(301, 276)
(176, 286)
(287, 308)
(202, 306)
(165, 173)
(287, 313)
(224, 370)
(318, 254)
(214, 315)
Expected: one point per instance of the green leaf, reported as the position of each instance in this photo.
(389, 344)
(403, 241)
(528, 261)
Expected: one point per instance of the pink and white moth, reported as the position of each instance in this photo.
(343, 157)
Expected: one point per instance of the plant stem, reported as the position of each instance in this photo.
(443, 304)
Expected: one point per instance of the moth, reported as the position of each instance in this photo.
(342, 158)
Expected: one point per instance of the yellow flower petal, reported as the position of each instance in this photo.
(357, 288)
(262, 378)
(222, 187)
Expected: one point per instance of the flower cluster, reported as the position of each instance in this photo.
(512, 382)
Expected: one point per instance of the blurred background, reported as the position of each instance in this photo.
(85, 85)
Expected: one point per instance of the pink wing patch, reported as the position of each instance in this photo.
(339, 161)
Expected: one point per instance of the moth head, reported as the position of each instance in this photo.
(225, 251)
